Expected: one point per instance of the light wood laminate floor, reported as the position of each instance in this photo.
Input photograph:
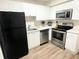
(49, 51)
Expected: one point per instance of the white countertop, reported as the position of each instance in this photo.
(30, 31)
(41, 28)
(45, 27)
(75, 29)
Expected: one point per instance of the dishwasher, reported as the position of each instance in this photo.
(44, 36)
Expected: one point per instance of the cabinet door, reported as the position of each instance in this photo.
(33, 39)
(30, 37)
(37, 39)
(71, 41)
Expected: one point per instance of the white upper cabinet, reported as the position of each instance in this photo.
(40, 11)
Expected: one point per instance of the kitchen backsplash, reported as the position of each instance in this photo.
(44, 22)
(30, 18)
(30, 21)
(75, 22)
(33, 22)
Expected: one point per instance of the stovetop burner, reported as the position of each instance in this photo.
(63, 28)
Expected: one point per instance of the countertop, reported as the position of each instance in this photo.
(45, 27)
(74, 30)
(39, 28)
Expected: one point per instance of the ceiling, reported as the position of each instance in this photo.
(44, 2)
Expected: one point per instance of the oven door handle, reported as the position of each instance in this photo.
(59, 31)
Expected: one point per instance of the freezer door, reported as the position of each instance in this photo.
(13, 19)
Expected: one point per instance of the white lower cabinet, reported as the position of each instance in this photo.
(33, 39)
(72, 41)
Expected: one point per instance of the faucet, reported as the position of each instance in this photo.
(29, 27)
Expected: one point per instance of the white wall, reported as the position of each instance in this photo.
(40, 11)
(73, 4)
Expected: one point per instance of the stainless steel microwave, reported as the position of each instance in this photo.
(64, 14)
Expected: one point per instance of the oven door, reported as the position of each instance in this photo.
(58, 36)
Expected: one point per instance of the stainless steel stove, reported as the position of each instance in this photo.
(59, 35)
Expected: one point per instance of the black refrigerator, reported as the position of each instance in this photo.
(13, 36)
